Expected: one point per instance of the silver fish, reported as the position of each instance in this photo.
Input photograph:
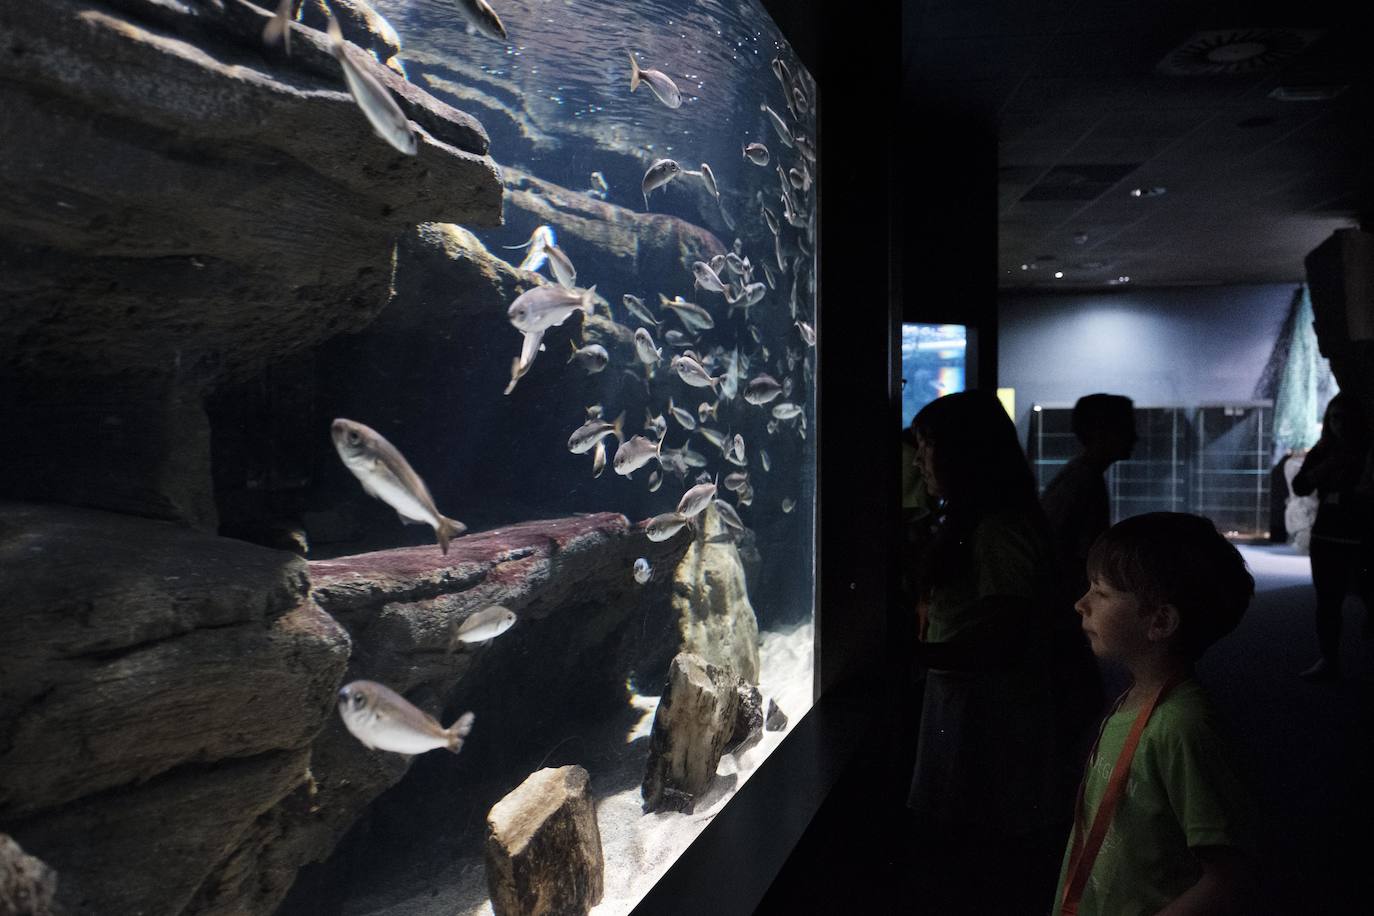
(765, 460)
(545, 307)
(729, 517)
(696, 499)
(655, 481)
(709, 179)
(735, 263)
(635, 306)
(788, 504)
(769, 276)
(770, 218)
(713, 436)
(279, 26)
(762, 389)
(599, 458)
(592, 357)
(385, 474)
(384, 720)
(777, 252)
(563, 270)
(657, 424)
(648, 354)
(683, 417)
(805, 147)
(787, 387)
(661, 83)
(756, 153)
(786, 410)
(717, 264)
(598, 181)
(484, 18)
(751, 296)
(797, 179)
(633, 454)
(487, 623)
(783, 73)
(706, 278)
(643, 572)
(662, 527)
(692, 372)
(593, 431)
(373, 98)
(675, 338)
(660, 173)
(736, 479)
(745, 496)
(529, 349)
(540, 240)
(808, 333)
(799, 99)
(694, 318)
(673, 463)
(779, 125)
(705, 410)
(691, 458)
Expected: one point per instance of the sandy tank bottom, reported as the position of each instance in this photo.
(638, 848)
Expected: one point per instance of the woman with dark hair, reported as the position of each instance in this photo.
(1343, 534)
(986, 783)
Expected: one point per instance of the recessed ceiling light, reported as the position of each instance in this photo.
(1025, 267)
(1155, 191)
(1123, 279)
(1059, 274)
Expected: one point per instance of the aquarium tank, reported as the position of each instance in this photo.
(415, 506)
(932, 364)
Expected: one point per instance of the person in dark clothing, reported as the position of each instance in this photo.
(984, 790)
(1343, 535)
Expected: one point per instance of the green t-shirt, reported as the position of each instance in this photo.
(1184, 790)
(1010, 558)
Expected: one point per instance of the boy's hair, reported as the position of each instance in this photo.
(1094, 413)
(1179, 559)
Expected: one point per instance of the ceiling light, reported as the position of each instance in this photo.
(1305, 93)
(1123, 279)
(1025, 267)
(1155, 191)
(1059, 274)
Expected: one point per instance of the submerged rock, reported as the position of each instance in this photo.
(711, 600)
(695, 721)
(543, 850)
(27, 884)
(777, 719)
(748, 717)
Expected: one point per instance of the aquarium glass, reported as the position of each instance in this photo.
(574, 145)
(932, 364)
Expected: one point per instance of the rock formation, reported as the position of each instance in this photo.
(711, 599)
(695, 721)
(543, 851)
(27, 885)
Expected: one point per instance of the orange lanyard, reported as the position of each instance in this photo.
(1084, 852)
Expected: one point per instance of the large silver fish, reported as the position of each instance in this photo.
(696, 499)
(694, 318)
(648, 353)
(661, 83)
(384, 720)
(386, 475)
(660, 173)
(756, 153)
(633, 454)
(662, 527)
(762, 389)
(786, 410)
(636, 307)
(593, 431)
(706, 278)
(779, 125)
(684, 417)
(599, 458)
(563, 270)
(592, 357)
(708, 178)
(485, 624)
(372, 97)
(692, 372)
(545, 307)
(484, 18)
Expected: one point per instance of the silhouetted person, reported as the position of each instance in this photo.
(1343, 534)
(984, 786)
(1165, 825)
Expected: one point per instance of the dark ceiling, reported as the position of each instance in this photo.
(1090, 99)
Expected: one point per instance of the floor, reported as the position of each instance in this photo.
(1312, 747)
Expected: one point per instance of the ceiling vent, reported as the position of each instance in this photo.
(1227, 52)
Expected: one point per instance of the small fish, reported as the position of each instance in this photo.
(683, 417)
(735, 263)
(529, 349)
(545, 307)
(736, 479)
(788, 504)
(717, 264)
(708, 178)
(633, 454)
(757, 335)
(671, 461)
(661, 83)
(693, 459)
(594, 411)
(696, 499)
(756, 153)
(643, 572)
(384, 720)
(762, 389)
(751, 296)
(279, 26)
(770, 218)
(373, 98)
(636, 307)
(662, 527)
(484, 18)
(692, 372)
(705, 410)
(648, 354)
(598, 181)
(787, 387)
(779, 125)
(745, 496)
(660, 173)
(655, 481)
(777, 252)
(786, 410)
(805, 147)
(657, 424)
(808, 333)
(593, 431)
(694, 318)
(729, 517)
(540, 240)
(592, 357)
(487, 623)
(799, 99)
(599, 458)
(783, 73)
(713, 436)
(765, 460)
(386, 475)
(772, 426)
(797, 179)
(675, 338)
(563, 270)
(706, 278)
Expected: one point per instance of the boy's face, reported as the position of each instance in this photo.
(1113, 622)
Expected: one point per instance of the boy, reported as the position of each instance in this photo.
(1162, 822)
